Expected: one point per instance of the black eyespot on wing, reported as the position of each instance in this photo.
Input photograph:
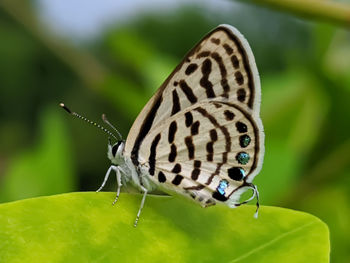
(236, 173)
(244, 140)
(241, 127)
(242, 157)
(219, 196)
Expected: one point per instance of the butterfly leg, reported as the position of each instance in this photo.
(142, 203)
(119, 184)
(112, 167)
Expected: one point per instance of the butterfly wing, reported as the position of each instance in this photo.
(197, 149)
(221, 69)
(221, 66)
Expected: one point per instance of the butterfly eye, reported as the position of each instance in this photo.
(115, 148)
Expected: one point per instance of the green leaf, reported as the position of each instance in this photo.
(332, 205)
(85, 227)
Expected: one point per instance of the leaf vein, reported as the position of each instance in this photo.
(272, 241)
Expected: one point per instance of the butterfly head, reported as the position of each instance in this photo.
(115, 152)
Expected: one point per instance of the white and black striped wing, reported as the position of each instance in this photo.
(220, 67)
(206, 152)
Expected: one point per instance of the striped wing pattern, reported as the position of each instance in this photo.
(200, 148)
(202, 128)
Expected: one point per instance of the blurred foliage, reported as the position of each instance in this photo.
(46, 169)
(170, 230)
(304, 68)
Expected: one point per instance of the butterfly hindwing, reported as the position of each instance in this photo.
(196, 149)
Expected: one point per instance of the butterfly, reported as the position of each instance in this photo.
(200, 135)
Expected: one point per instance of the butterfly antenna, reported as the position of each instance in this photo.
(87, 120)
(104, 118)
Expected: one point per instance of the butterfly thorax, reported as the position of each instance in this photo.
(129, 172)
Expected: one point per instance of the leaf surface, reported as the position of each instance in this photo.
(85, 227)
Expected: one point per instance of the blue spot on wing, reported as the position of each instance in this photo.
(222, 186)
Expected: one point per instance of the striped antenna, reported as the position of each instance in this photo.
(87, 120)
(104, 118)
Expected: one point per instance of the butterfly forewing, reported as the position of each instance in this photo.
(220, 66)
(186, 137)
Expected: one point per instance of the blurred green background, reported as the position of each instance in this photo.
(110, 57)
